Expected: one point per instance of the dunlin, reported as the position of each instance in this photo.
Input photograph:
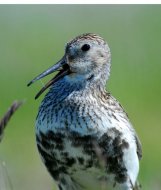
(83, 135)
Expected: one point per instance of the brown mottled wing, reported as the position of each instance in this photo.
(121, 109)
(138, 143)
(139, 147)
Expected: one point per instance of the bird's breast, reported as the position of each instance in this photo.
(73, 116)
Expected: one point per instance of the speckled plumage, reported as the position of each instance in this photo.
(83, 135)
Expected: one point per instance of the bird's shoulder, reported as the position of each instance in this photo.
(112, 104)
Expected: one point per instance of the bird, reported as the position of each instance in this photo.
(84, 136)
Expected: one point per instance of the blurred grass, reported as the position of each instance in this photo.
(32, 38)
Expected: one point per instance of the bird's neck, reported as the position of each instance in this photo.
(64, 88)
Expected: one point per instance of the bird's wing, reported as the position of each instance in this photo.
(139, 147)
(111, 100)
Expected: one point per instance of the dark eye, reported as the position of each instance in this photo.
(85, 47)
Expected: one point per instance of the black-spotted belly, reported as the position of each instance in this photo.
(83, 157)
(66, 154)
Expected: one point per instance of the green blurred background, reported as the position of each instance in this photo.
(32, 38)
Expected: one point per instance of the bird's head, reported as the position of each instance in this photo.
(87, 58)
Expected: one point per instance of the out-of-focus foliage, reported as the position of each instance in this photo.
(32, 38)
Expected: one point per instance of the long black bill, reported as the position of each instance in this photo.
(59, 66)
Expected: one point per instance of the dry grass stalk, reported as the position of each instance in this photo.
(4, 121)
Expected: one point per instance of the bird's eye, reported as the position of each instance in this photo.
(85, 47)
